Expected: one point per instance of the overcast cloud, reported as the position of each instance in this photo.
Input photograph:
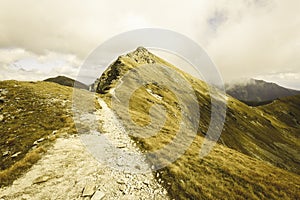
(245, 38)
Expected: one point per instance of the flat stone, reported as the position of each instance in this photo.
(38, 141)
(41, 179)
(5, 153)
(1, 118)
(41, 140)
(98, 195)
(121, 181)
(137, 167)
(24, 196)
(121, 146)
(16, 154)
(89, 190)
(4, 91)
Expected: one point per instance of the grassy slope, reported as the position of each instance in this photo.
(246, 130)
(225, 173)
(249, 131)
(31, 110)
(287, 111)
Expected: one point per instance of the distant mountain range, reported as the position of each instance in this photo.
(66, 81)
(258, 92)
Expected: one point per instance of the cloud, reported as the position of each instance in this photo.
(257, 40)
(20, 64)
(245, 38)
(78, 27)
(10, 55)
(285, 79)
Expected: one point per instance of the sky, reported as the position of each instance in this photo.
(244, 38)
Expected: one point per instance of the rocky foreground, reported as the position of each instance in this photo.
(69, 171)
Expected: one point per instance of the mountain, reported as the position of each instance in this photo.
(258, 92)
(238, 167)
(66, 81)
(257, 156)
(246, 129)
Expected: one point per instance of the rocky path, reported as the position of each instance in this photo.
(69, 171)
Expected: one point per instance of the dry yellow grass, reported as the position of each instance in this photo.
(31, 110)
(18, 168)
(226, 173)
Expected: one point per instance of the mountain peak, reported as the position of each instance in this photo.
(142, 56)
(140, 51)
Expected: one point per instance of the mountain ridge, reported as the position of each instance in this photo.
(247, 131)
(258, 92)
(237, 130)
